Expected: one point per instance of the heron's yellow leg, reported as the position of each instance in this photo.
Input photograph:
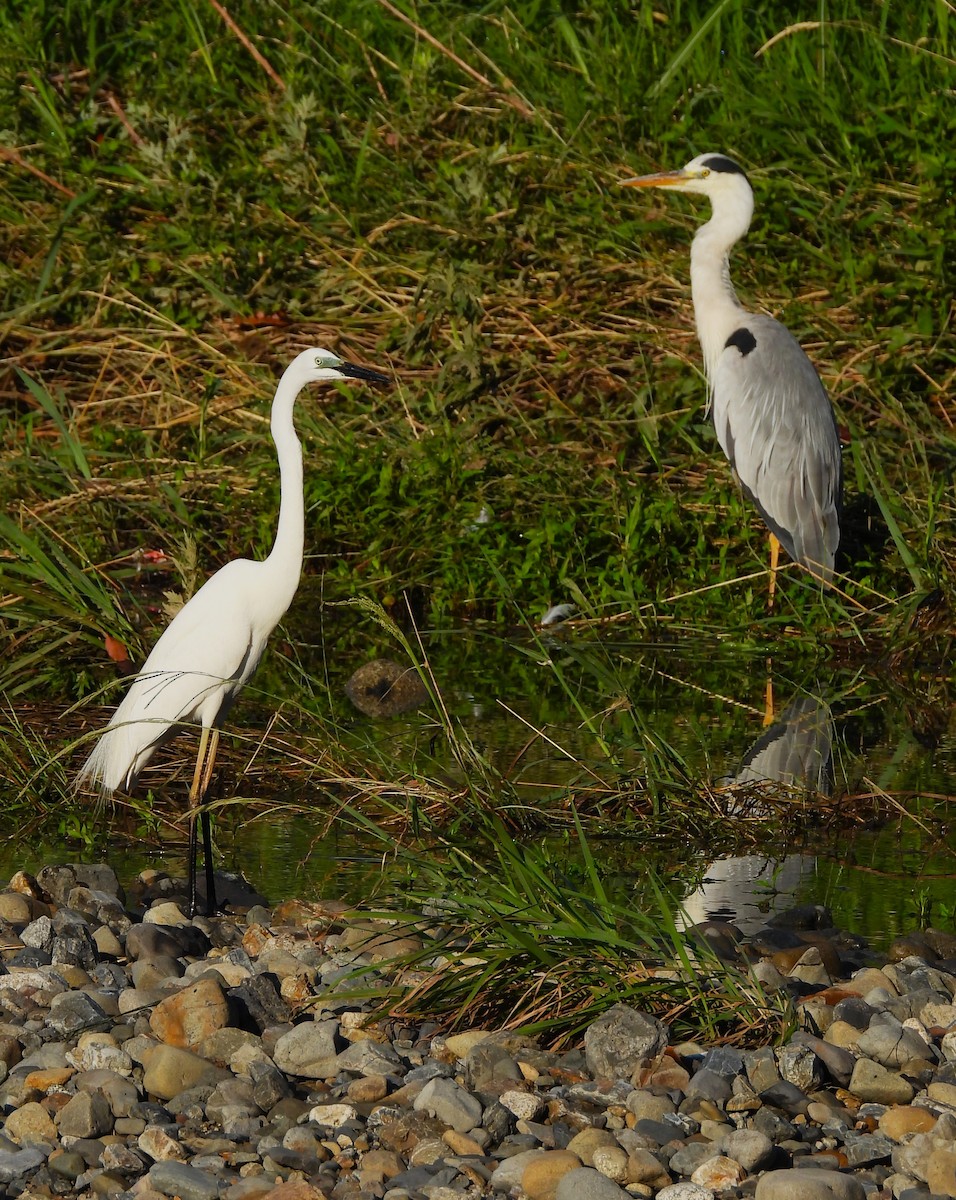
(774, 561)
(768, 699)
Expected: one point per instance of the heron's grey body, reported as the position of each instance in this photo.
(772, 415)
(775, 424)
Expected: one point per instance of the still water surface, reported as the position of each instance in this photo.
(581, 713)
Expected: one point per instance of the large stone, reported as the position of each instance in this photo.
(170, 1071)
(309, 1050)
(718, 1173)
(941, 1172)
(809, 1183)
(508, 1174)
(191, 1015)
(752, 1149)
(901, 1120)
(86, 1115)
(589, 1139)
(873, 1083)
(624, 1042)
(890, 1044)
(30, 1125)
(181, 1180)
(449, 1103)
(584, 1183)
(542, 1175)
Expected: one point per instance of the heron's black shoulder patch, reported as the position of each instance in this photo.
(720, 162)
(743, 339)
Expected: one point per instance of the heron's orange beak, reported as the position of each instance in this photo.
(661, 179)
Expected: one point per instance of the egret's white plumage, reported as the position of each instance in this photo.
(214, 643)
(772, 415)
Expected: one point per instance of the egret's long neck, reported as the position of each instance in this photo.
(717, 310)
(286, 554)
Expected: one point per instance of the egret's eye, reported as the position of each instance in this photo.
(705, 172)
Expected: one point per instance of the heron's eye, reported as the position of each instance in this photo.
(705, 172)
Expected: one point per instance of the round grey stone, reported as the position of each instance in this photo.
(623, 1040)
(584, 1183)
(809, 1183)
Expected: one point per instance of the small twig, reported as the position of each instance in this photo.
(12, 156)
(260, 58)
(124, 119)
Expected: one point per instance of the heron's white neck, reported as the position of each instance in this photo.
(286, 555)
(717, 311)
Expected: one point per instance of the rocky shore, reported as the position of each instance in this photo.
(142, 1054)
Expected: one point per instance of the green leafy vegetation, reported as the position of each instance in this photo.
(187, 200)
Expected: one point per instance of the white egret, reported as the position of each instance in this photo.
(773, 418)
(214, 643)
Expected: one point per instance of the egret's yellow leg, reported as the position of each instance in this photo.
(195, 792)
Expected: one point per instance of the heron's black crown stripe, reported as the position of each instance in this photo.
(743, 339)
(720, 162)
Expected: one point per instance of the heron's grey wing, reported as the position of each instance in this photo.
(776, 426)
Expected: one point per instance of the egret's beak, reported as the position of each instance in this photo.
(662, 179)
(353, 371)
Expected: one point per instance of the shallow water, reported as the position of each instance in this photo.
(580, 713)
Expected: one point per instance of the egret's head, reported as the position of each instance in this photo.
(318, 364)
(712, 175)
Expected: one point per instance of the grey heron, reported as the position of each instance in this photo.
(214, 643)
(772, 415)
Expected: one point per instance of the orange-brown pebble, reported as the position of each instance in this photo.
(542, 1175)
(49, 1077)
(461, 1143)
(903, 1119)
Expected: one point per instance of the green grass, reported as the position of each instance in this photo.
(433, 189)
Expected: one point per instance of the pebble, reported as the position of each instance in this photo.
(147, 1056)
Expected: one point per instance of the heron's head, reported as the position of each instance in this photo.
(317, 365)
(713, 175)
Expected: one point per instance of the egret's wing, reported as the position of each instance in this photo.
(776, 426)
(205, 654)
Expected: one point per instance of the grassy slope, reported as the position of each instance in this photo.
(178, 218)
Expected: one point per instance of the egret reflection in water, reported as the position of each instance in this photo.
(794, 754)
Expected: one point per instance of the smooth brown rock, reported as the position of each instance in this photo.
(584, 1144)
(29, 1125)
(170, 1071)
(543, 1174)
(379, 1165)
(191, 1015)
(461, 1143)
(51, 1077)
(367, 1089)
(898, 1121)
(644, 1168)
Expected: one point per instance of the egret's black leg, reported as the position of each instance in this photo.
(195, 799)
(207, 859)
(207, 827)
